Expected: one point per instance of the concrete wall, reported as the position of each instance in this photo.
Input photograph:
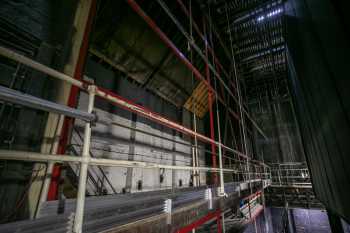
(111, 140)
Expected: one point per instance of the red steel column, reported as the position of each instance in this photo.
(210, 107)
(72, 102)
(218, 223)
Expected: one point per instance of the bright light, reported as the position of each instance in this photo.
(261, 18)
(270, 14)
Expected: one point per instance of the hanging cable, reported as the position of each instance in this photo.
(240, 107)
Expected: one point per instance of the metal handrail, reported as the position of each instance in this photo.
(100, 169)
(86, 160)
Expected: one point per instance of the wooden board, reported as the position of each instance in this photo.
(197, 103)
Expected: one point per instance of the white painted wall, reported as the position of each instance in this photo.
(112, 141)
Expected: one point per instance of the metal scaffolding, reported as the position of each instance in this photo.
(85, 160)
(241, 162)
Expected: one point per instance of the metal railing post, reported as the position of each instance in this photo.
(279, 175)
(221, 174)
(79, 211)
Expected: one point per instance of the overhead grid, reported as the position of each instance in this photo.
(224, 90)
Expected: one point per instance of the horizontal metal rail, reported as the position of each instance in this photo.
(19, 98)
(85, 160)
(115, 99)
(32, 156)
(40, 67)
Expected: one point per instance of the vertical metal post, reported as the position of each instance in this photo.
(210, 105)
(195, 149)
(223, 222)
(218, 221)
(221, 174)
(79, 211)
(279, 174)
(197, 165)
(194, 179)
(222, 184)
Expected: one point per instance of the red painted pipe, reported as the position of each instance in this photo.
(200, 222)
(218, 223)
(72, 101)
(168, 42)
(253, 195)
(211, 115)
(176, 51)
(155, 117)
(172, 47)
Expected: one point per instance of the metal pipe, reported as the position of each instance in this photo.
(79, 211)
(32, 156)
(222, 184)
(195, 149)
(120, 101)
(16, 97)
(38, 66)
(210, 107)
(38, 157)
(166, 40)
(129, 105)
(176, 51)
